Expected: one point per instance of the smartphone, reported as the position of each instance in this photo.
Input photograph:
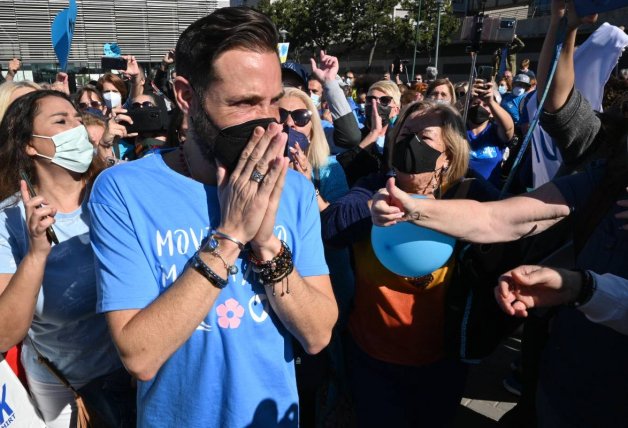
(147, 119)
(485, 72)
(50, 232)
(294, 138)
(113, 63)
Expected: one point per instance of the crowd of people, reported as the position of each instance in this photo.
(191, 245)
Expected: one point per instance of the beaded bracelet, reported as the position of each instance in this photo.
(274, 270)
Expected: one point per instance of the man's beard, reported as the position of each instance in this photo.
(204, 131)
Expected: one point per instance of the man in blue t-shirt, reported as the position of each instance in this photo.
(209, 271)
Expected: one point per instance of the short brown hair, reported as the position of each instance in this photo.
(116, 81)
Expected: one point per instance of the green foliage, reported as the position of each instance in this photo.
(358, 24)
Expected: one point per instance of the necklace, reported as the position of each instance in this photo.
(187, 170)
(420, 281)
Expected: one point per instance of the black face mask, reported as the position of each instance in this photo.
(478, 115)
(231, 141)
(412, 155)
(383, 111)
(226, 144)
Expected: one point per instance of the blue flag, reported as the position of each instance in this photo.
(61, 33)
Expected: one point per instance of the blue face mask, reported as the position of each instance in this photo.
(316, 99)
(73, 151)
(502, 90)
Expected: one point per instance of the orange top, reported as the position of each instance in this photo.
(394, 320)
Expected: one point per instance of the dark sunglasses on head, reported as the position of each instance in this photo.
(300, 117)
(93, 104)
(142, 105)
(384, 100)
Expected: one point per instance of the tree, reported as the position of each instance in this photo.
(405, 32)
(368, 23)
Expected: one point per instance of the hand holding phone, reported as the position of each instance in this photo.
(50, 233)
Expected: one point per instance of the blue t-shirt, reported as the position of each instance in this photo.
(511, 103)
(66, 328)
(332, 183)
(237, 368)
(487, 152)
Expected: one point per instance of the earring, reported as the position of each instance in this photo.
(445, 167)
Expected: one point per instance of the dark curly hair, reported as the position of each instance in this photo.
(16, 131)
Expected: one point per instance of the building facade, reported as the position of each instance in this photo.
(144, 28)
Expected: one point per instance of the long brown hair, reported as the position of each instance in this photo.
(16, 131)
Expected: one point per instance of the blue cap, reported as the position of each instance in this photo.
(292, 72)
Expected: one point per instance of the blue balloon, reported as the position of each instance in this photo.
(410, 250)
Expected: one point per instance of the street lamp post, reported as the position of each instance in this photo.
(440, 6)
(283, 33)
(416, 37)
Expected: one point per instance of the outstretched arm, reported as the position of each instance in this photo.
(487, 222)
(564, 77)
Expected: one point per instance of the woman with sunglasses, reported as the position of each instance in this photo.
(47, 275)
(400, 374)
(383, 102)
(90, 100)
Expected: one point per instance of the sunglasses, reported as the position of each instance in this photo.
(460, 94)
(142, 105)
(94, 104)
(300, 117)
(384, 100)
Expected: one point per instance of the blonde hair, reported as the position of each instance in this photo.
(8, 88)
(454, 136)
(318, 152)
(389, 88)
(440, 82)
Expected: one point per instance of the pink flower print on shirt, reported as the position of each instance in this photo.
(229, 314)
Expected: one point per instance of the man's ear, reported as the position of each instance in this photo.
(183, 93)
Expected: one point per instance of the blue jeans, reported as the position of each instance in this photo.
(392, 395)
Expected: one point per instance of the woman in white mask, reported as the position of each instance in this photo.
(113, 90)
(47, 275)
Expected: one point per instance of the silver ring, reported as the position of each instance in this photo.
(257, 176)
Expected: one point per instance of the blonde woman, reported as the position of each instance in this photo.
(298, 112)
(10, 91)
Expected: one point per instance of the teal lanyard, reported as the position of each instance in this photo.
(561, 33)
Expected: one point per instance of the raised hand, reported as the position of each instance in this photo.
(14, 65)
(39, 217)
(300, 162)
(328, 69)
(391, 205)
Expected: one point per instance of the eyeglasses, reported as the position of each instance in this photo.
(142, 105)
(94, 104)
(384, 100)
(300, 117)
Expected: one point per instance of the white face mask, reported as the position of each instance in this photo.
(73, 151)
(502, 90)
(518, 90)
(348, 81)
(316, 99)
(112, 99)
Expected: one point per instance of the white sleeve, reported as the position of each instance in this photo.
(609, 304)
